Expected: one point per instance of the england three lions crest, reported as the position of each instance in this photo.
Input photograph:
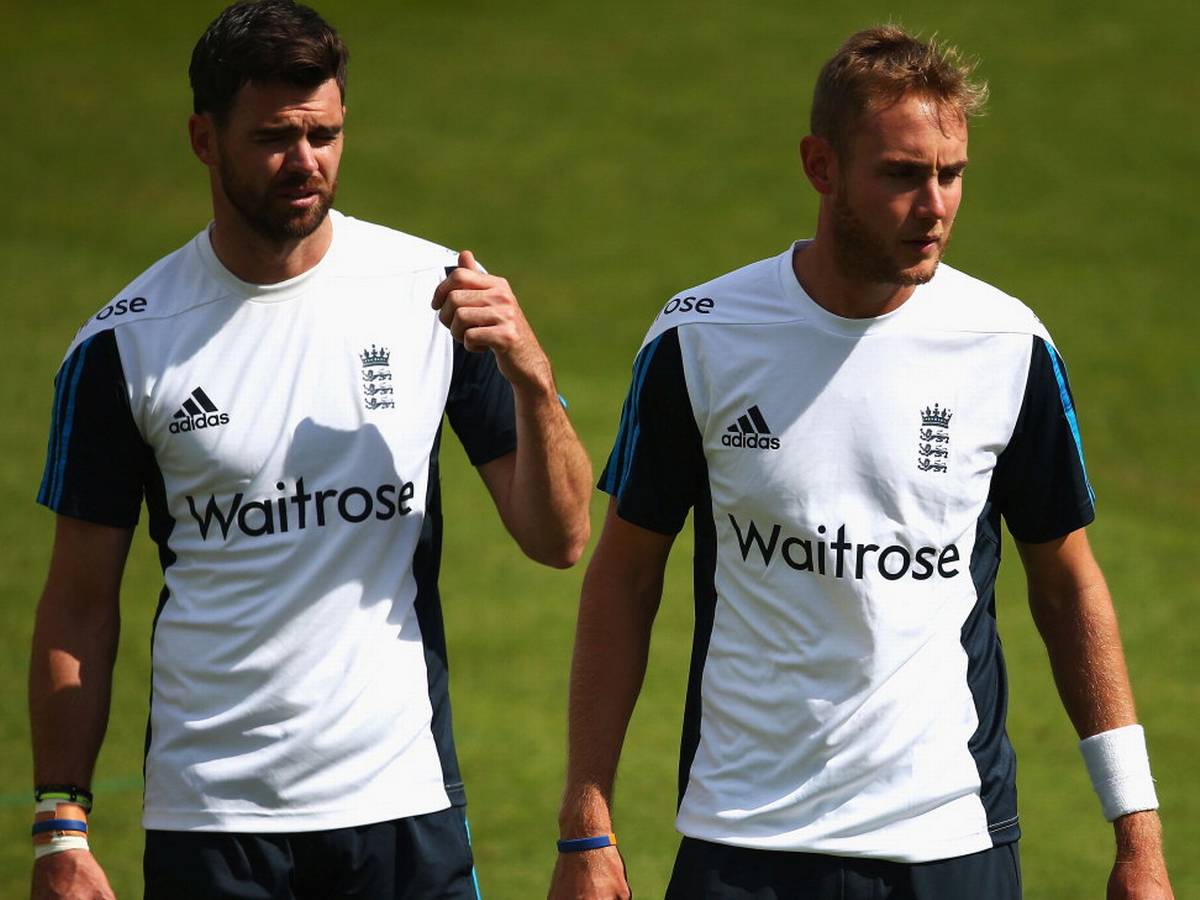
(377, 378)
(933, 443)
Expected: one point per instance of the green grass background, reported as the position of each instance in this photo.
(602, 156)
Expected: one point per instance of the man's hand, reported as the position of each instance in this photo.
(1140, 872)
(70, 875)
(482, 313)
(590, 875)
(1140, 880)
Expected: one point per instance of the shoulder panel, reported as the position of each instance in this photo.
(177, 282)
(365, 248)
(956, 301)
(749, 295)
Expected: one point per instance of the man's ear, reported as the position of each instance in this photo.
(820, 163)
(202, 133)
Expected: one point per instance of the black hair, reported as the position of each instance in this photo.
(263, 41)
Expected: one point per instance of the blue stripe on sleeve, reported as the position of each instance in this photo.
(614, 456)
(631, 426)
(54, 447)
(64, 440)
(43, 495)
(612, 469)
(1069, 411)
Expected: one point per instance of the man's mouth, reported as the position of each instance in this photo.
(301, 196)
(924, 243)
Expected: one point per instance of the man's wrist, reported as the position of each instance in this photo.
(585, 814)
(537, 387)
(1137, 834)
(580, 826)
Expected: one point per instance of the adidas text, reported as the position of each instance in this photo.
(212, 420)
(753, 441)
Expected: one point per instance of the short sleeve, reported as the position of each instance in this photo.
(96, 456)
(656, 468)
(480, 406)
(1040, 484)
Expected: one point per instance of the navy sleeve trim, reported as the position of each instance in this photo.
(616, 472)
(1068, 406)
(481, 407)
(96, 458)
(656, 469)
(1040, 483)
(66, 391)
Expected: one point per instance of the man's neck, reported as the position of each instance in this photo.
(258, 260)
(851, 298)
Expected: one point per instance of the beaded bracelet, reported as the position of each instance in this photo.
(70, 793)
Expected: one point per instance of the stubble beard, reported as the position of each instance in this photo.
(861, 255)
(276, 223)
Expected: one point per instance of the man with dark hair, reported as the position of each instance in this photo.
(849, 422)
(274, 40)
(274, 391)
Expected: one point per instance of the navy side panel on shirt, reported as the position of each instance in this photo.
(987, 680)
(428, 606)
(704, 573)
(96, 457)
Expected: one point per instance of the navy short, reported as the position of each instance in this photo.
(419, 858)
(706, 871)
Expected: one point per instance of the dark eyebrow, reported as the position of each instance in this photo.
(904, 164)
(287, 130)
(276, 131)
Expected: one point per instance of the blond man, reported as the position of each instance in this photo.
(850, 421)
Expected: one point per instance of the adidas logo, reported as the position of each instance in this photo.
(197, 412)
(751, 431)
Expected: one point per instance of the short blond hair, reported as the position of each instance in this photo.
(878, 67)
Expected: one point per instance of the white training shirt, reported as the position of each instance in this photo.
(847, 693)
(285, 440)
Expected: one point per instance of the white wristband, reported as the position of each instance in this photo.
(58, 845)
(1120, 770)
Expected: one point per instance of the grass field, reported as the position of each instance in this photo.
(602, 156)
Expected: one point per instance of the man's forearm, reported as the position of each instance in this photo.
(70, 685)
(609, 664)
(616, 613)
(551, 480)
(1074, 614)
(74, 648)
(1078, 624)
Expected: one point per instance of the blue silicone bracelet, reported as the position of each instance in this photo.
(578, 845)
(59, 825)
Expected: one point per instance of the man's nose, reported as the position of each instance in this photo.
(931, 202)
(301, 158)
